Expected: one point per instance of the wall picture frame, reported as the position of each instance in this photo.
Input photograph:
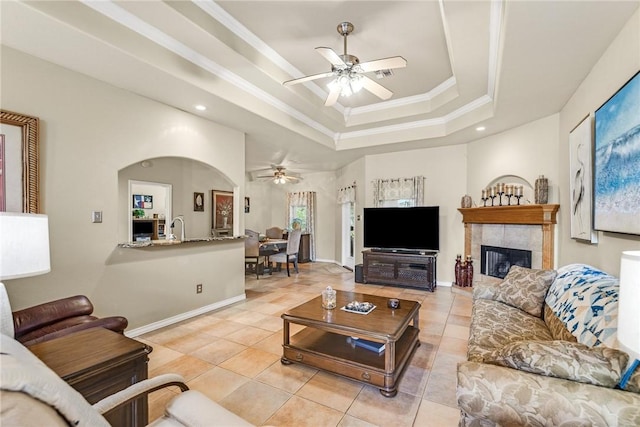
(222, 211)
(581, 180)
(198, 202)
(142, 201)
(617, 161)
(247, 205)
(20, 162)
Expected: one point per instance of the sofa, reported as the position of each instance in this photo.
(61, 317)
(543, 351)
(31, 394)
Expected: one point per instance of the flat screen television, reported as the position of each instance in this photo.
(415, 229)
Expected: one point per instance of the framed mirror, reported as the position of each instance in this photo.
(19, 186)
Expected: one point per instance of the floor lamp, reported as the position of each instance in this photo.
(629, 309)
(24, 252)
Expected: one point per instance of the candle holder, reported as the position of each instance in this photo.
(493, 199)
(500, 193)
(484, 199)
(509, 193)
(518, 197)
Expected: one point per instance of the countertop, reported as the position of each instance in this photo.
(171, 243)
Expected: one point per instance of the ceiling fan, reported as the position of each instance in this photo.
(280, 176)
(348, 72)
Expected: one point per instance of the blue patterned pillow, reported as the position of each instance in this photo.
(585, 299)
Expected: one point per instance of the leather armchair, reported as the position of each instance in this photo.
(54, 319)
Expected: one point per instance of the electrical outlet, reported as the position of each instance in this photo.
(96, 216)
(199, 288)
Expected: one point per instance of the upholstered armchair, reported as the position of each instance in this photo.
(61, 317)
(291, 254)
(252, 255)
(31, 394)
(274, 233)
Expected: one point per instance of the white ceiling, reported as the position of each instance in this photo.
(497, 64)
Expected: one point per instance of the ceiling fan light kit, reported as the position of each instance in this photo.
(348, 72)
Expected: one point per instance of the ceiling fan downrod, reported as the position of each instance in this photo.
(344, 29)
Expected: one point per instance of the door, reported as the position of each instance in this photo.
(348, 235)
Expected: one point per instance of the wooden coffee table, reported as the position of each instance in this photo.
(325, 342)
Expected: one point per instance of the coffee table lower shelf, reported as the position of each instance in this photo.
(332, 352)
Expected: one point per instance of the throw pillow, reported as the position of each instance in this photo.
(602, 366)
(525, 289)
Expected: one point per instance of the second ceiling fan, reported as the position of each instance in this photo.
(280, 176)
(349, 72)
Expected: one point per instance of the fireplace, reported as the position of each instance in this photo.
(496, 261)
(521, 227)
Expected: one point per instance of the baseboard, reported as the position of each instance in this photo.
(327, 260)
(183, 316)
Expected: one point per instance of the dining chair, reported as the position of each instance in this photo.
(291, 254)
(274, 233)
(252, 251)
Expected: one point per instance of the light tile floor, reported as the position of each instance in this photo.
(233, 356)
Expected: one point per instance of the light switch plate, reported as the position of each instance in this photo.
(96, 216)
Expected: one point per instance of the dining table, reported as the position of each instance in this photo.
(270, 247)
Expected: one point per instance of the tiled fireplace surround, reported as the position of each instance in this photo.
(528, 227)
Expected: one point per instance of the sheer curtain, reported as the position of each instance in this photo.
(393, 190)
(305, 199)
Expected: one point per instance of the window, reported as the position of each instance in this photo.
(298, 214)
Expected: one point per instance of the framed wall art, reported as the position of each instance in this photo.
(581, 180)
(142, 201)
(222, 212)
(20, 175)
(617, 161)
(247, 205)
(198, 202)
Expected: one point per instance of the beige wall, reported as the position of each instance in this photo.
(617, 65)
(445, 170)
(270, 201)
(89, 131)
(526, 151)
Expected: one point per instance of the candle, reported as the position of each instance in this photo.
(500, 187)
(484, 193)
(519, 190)
(509, 190)
(493, 191)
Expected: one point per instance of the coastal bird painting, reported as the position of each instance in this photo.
(580, 142)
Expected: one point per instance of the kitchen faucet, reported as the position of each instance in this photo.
(173, 222)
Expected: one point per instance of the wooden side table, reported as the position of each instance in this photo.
(97, 363)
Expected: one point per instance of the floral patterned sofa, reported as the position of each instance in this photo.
(542, 352)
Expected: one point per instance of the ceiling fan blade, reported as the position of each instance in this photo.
(375, 88)
(331, 56)
(308, 78)
(334, 93)
(383, 64)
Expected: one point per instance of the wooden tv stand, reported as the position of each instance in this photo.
(417, 270)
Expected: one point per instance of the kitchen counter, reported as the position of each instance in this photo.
(174, 243)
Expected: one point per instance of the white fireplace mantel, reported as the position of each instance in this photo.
(542, 215)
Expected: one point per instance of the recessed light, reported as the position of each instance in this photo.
(480, 128)
(200, 107)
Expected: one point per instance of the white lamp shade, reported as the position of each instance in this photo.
(24, 245)
(629, 303)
